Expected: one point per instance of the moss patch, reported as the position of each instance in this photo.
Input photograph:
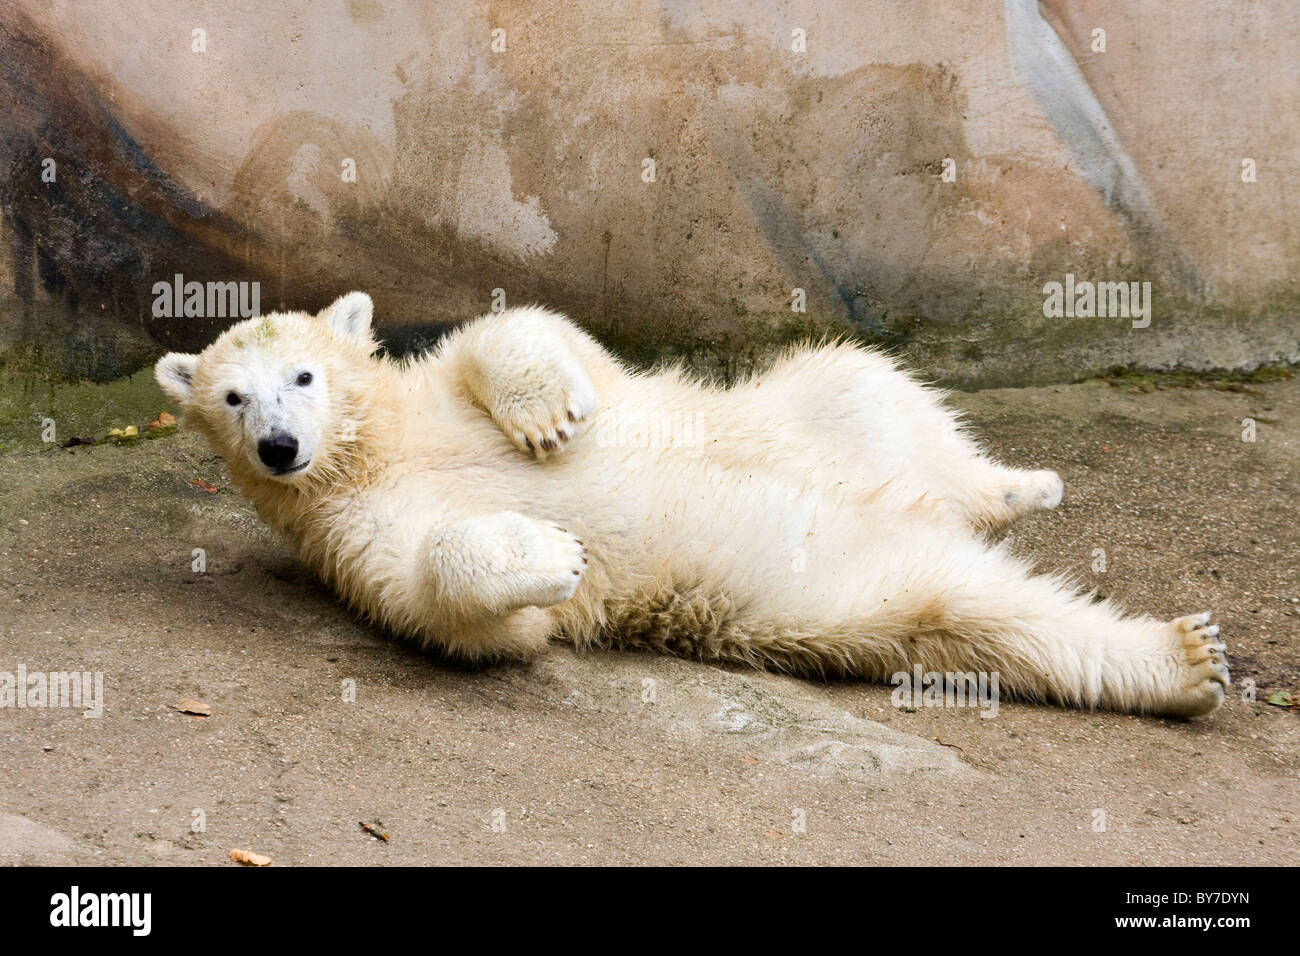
(1223, 380)
(82, 410)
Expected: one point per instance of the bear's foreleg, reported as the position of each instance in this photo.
(531, 370)
(488, 579)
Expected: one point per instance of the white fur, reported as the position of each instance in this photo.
(827, 516)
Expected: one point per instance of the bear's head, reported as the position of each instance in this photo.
(277, 395)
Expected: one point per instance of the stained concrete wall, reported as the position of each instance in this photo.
(775, 169)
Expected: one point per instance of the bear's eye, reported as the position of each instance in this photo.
(232, 398)
(304, 378)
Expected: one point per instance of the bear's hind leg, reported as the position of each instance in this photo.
(990, 497)
(1047, 642)
(957, 606)
(865, 422)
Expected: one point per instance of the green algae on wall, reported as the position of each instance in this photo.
(85, 410)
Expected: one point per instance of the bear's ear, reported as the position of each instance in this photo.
(350, 315)
(175, 373)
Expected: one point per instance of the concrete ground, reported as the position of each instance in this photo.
(568, 761)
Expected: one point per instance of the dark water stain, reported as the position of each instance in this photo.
(825, 183)
(86, 249)
(878, 125)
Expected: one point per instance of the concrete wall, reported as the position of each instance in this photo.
(775, 169)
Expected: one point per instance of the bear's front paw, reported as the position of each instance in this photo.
(554, 562)
(542, 421)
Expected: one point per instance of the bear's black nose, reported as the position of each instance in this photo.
(278, 451)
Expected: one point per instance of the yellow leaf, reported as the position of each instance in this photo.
(249, 858)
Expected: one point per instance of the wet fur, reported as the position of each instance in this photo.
(829, 515)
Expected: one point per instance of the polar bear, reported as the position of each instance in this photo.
(518, 483)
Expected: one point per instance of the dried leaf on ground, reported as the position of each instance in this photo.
(164, 420)
(249, 858)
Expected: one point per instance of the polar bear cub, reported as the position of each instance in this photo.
(517, 483)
